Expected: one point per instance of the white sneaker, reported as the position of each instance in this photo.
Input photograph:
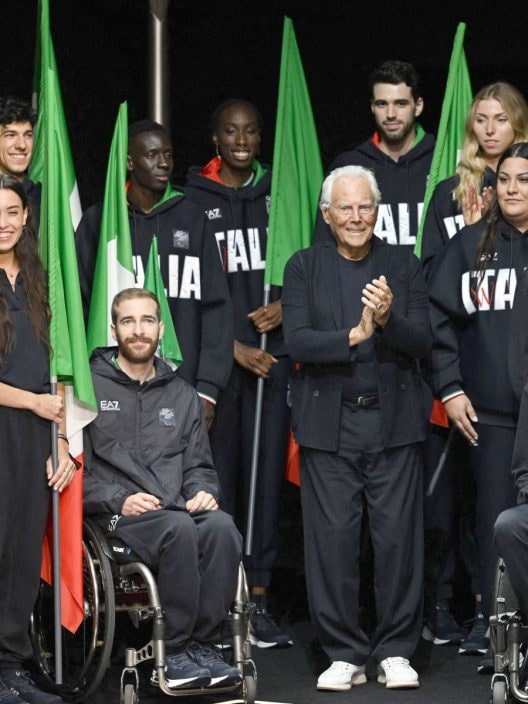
(396, 672)
(341, 675)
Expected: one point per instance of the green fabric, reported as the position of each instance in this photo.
(170, 192)
(457, 99)
(53, 168)
(297, 169)
(114, 268)
(169, 347)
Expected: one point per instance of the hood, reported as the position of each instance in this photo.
(422, 147)
(168, 199)
(102, 363)
(260, 186)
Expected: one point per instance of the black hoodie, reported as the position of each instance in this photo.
(237, 223)
(443, 218)
(402, 184)
(470, 327)
(196, 289)
(147, 437)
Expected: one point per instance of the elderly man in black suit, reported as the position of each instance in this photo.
(355, 314)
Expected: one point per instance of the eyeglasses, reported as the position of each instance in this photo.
(347, 210)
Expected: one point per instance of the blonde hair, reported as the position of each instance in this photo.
(472, 165)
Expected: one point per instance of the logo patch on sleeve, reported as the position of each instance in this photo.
(167, 417)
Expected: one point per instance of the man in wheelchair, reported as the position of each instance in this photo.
(150, 482)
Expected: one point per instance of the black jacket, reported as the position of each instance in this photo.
(471, 328)
(315, 336)
(443, 218)
(402, 184)
(195, 283)
(237, 221)
(146, 438)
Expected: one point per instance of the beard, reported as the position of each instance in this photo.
(398, 137)
(137, 356)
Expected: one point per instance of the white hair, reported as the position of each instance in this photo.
(350, 172)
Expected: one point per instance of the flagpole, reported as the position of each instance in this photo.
(159, 64)
(256, 442)
(56, 548)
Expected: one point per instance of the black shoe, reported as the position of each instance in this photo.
(445, 630)
(265, 633)
(222, 673)
(181, 672)
(20, 682)
(486, 665)
(476, 642)
(9, 696)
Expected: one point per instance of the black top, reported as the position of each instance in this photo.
(353, 277)
(27, 363)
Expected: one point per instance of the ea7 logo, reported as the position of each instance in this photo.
(214, 213)
(110, 406)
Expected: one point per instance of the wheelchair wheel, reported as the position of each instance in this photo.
(86, 654)
(499, 692)
(249, 689)
(129, 695)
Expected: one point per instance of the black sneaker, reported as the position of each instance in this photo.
(486, 665)
(182, 672)
(444, 630)
(476, 642)
(21, 683)
(222, 673)
(9, 696)
(264, 632)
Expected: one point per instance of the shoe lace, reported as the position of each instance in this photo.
(395, 661)
(207, 651)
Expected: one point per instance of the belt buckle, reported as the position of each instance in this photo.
(360, 400)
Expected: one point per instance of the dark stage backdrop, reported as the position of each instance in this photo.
(229, 48)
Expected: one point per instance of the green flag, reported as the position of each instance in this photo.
(297, 169)
(457, 99)
(169, 348)
(60, 212)
(114, 269)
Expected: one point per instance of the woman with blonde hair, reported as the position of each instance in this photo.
(497, 118)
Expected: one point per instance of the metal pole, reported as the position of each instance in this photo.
(159, 63)
(441, 461)
(56, 549)
(256, 442)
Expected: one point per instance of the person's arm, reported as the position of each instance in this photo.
(197, 464)
(408, 332)
(216, 345)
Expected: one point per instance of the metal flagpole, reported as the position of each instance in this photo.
(159, 62)
(56, 548)
(256, 442)
(441, 461)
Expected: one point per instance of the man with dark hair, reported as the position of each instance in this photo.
(17, 122)
(190, 266)
(399, 153)
(150, 482)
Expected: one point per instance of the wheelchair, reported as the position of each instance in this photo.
(508, 638)
(116, 582)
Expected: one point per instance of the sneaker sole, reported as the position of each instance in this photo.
(190, 683)
(225, 681)
(357, 679)
(262, 644)
(382, 679)
(430, 637)
(472, 651)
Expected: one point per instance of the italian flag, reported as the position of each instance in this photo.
(60, 213)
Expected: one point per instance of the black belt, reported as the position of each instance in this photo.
(363, 401)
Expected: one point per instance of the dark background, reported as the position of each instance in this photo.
(229, 48)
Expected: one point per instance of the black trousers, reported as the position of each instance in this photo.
(231, 444)
(24, 500)
(511, 540)
(449, 514)
(491, 466)
(332, 487)
(196, 558)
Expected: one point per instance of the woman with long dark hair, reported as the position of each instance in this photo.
(27, 410)
(472, 292)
